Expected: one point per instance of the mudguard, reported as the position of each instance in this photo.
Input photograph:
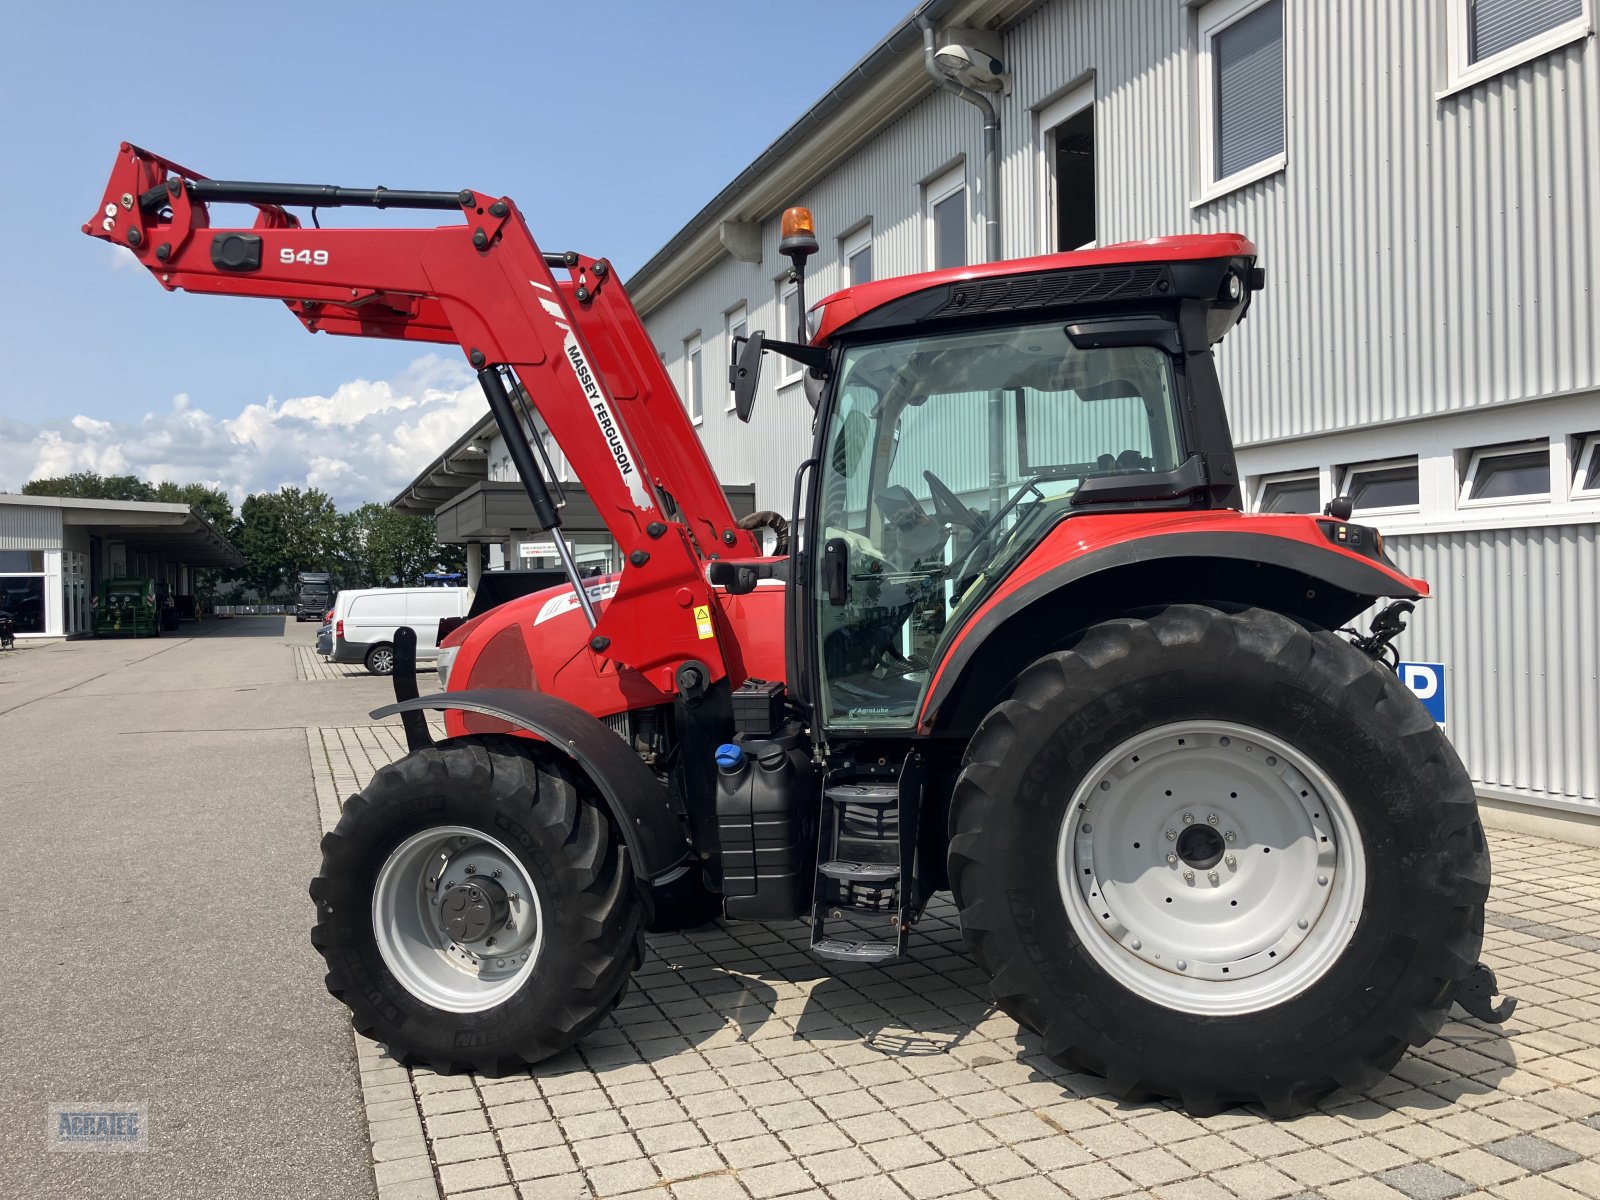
(638, 803)
(1362, 580)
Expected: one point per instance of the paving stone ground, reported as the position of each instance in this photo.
(739, 1066)
(309, 666)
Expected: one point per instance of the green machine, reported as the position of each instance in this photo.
(127, 606)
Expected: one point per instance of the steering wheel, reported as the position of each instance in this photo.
(948, 505)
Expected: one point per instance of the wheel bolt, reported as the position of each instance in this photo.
(1182, 965)
(1231, 861)
(1188, 818)
(1188, 876)
(1229, 836)
(1212, 819)
(1212, 876)
(472, 868)
(495, 872)
(1172, 858)
(510, 925)
(489, 942)
(1172, 835)
(1136, 944)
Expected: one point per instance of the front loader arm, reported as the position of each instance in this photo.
(575, 344)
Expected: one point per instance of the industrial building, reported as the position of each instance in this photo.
(1421, 180)
(56, 551)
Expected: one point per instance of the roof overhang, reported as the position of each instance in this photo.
(464, 465)
(884, 84)
(172, 531)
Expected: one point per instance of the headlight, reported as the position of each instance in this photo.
(445, 661)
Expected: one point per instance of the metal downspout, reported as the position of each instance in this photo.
(990, 184)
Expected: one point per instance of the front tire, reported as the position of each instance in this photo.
(475, 908)
(1218, 857)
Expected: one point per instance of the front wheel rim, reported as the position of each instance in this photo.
(416, 886)
(1210, 867)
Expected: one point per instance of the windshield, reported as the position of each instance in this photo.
(947, 459)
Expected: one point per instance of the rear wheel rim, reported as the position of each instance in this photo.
(410, 896)
(382, 661)
(1210, 867)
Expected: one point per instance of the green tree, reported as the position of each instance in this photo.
(383, 548)
(287, 531)
(211, 503)
(91, 485)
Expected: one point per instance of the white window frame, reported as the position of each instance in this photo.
(1213, 18)
(1461, 74)
(786, 290)
(1479, 455)
(1587, 453)
(693, 346)
(1051, 117)
(1262, 482)
(739, 314)
(1348, 471)
(852, 244)
(939, 188)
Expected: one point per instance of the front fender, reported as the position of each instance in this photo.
(636, 801)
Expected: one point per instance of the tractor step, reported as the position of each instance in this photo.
(876, 874)
(885, 794)
(841, 950)
(866, 860)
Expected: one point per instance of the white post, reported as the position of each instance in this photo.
(474, 565)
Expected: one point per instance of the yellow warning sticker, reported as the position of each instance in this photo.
(702, 621)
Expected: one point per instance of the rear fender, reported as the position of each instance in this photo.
(1323, 586)
(636, 801)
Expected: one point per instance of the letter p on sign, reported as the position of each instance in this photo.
(1427, 681)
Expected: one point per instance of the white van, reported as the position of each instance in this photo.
(364, 622)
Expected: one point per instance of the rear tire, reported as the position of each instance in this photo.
(380, 659)
(1068, 860)
(409, 985)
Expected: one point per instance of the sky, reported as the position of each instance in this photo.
(610, 122)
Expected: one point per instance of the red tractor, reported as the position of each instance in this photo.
(1027, 648)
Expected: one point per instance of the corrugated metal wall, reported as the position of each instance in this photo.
(1517, 619)
(29, 527)
(1424, 255)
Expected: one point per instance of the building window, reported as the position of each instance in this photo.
(790, 325)
(1297, 493)
(1586, 481)
(738, 323)
(946, 209)
(22, 589)
(1388, 486)
(1240, 93)
(1067, 148)
(1501, 474)
(693, 380)
(1488, 37)
(856, 251)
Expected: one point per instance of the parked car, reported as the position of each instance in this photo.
(325, 639)
(365, 620)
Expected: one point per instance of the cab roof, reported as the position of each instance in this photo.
(849, 305)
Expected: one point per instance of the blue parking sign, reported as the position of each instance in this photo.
(1427, 681)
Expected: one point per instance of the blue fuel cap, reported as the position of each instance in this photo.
(730, 756)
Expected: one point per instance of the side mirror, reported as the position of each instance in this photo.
(744, 373)
(836, 570)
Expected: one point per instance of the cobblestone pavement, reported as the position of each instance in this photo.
(739, 1066)
(309, 665)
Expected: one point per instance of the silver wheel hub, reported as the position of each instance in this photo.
(1211, 867)
(457, 919)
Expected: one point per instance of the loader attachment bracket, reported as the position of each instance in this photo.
(1476, 992)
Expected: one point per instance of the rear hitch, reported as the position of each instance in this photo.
(1389, 624)
(1476, 992)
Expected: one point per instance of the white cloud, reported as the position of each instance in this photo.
(364, 442)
